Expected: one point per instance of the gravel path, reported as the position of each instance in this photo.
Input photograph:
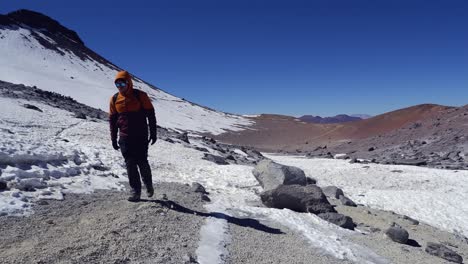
(103, 227)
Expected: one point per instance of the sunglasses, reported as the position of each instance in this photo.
(120, 84)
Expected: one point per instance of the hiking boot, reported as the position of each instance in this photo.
(150, 192)
(134, 198)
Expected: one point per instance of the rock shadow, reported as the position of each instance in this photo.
(244, 222)
(413, 243)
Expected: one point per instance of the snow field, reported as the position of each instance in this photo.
(434, 196)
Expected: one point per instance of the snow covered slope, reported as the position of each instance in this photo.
(37, 51)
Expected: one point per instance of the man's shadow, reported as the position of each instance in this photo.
(244, 222)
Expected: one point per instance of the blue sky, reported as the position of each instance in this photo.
(287, 57)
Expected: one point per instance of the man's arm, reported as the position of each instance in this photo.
(151, 115)
(113, 116)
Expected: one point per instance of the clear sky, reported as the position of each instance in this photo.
(288, 57)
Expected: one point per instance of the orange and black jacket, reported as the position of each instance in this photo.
(128, 114)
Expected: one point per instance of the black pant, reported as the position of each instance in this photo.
(135, 153)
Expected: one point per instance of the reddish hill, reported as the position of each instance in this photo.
(277, 132)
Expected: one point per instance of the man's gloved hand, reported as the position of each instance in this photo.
(115, 145)
(152, 139)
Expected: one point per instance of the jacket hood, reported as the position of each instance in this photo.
(126, 76)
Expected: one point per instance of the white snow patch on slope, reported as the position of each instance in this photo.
(26, 61)
(434, 196)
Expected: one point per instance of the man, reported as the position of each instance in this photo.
(129, 111)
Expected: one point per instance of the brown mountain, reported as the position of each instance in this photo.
(432, 133)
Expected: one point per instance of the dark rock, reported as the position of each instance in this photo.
(80, 115)
(201, 149)
(42, 202)
(270, 175)
(444, 252)
(309, 198)
(32, 107)
(332, 191)
(184, 137)
(3, 185)
(216, 159)
(397, 234)
(310, 180)
(198, 188)
(339, 220)
(413, 162)
(205, 198)
(353, 160)
(346, 201)
(230, 157)
(411, 220)
(371, 149)
(169, 140)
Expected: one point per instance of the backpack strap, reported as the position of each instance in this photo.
(114, 98)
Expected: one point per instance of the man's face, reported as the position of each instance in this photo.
(121, 85)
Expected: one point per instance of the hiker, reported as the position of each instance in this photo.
(129, 111)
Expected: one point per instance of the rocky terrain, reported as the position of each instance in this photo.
(425, 135)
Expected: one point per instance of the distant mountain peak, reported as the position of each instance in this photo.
(341, 118)
(40, 21)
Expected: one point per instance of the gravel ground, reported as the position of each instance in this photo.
(375, 222)
(103, 227)
(250, 245)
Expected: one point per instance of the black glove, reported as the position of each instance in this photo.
(115, 145)
(152, 139)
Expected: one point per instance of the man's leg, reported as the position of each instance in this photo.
(145, 171)
(132, 170)
(133, 177)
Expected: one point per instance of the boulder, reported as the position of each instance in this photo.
(270, 175)
(309, 198)
(444, 252)
(397, 234)
(332, 191)
(346, 201)
(338, 219)
(216, 159)
(197, 187)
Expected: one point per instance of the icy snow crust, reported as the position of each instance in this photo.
(26, 61)
(436, 197)
(56, 154)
